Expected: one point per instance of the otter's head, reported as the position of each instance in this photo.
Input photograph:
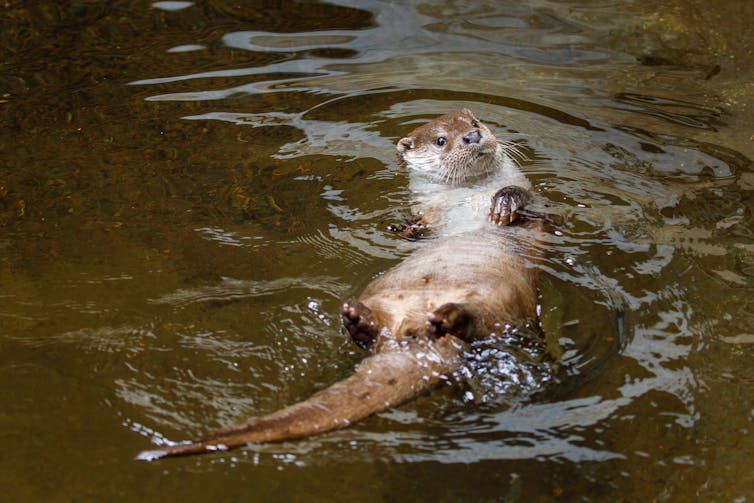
(454, 148)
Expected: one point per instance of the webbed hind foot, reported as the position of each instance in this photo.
(359, 323)
(451, 318)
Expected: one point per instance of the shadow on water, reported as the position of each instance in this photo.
(189, 189)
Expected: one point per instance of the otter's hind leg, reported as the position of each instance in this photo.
(359, 323)
(460, 320)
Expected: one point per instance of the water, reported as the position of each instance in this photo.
(189, 190)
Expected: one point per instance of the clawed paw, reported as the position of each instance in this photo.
(506, 203)
(413, 228)
(358, 322)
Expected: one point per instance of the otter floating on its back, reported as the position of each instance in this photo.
(469, 282)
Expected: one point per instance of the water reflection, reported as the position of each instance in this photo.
(172, 6)
(229, 289)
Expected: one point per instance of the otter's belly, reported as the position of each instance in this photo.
(490, 270)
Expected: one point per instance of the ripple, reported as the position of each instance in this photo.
(331, 248)
(230, 289)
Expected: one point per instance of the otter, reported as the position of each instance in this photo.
(471, 276)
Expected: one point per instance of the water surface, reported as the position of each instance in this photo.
(188, 190)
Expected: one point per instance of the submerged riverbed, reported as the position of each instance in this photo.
(188, 191)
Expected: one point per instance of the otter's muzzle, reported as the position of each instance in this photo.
(472, 137)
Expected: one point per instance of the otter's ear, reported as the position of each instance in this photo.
(468, 112)
(405, 144)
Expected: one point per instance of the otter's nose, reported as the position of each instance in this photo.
(472, 137)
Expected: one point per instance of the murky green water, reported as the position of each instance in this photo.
(189, 189)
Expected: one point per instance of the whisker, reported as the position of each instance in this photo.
(513, 151)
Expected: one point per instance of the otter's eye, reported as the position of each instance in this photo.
(441, 141)
(474, 123)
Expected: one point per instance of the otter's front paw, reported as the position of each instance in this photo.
(358, 322)
(506, 202)
(414, 227)
(451, 318)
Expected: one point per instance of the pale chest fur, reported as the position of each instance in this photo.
(461, 208)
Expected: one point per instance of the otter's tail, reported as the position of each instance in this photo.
(381, 381)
